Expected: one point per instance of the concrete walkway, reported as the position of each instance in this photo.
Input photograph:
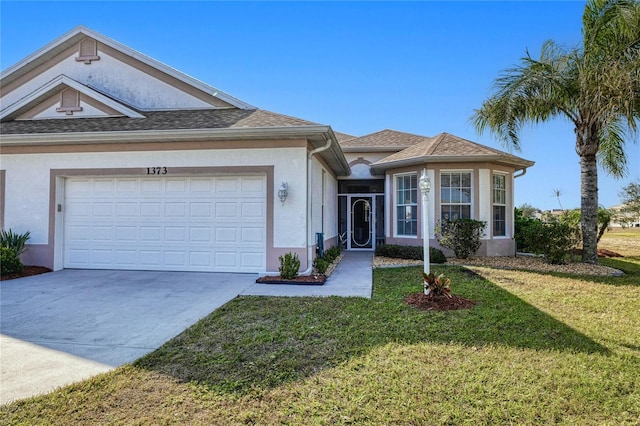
(351, 278)
(66, 326)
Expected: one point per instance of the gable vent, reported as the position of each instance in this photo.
(88, 51)
(69, 101)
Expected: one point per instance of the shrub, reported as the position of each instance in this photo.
(460, 235)
(400, 252)
(9, 261)
(436, 256)
(321, 265)
(14, 241)
(553, 239)
(410, 252)
(289, 266)
(331, 254)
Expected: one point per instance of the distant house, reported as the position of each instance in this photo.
(622, 219)
(113, 160)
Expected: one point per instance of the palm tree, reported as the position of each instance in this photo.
(595, 86)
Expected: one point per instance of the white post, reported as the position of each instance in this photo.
(425, 186)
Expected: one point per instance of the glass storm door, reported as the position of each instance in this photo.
(362, 229)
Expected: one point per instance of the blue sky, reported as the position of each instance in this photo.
(418, 67)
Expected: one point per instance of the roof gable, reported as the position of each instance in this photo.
(446, 147)
(117, 70)
(383, 140)
(43, 103)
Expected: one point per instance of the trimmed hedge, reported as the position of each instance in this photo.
(410, 252)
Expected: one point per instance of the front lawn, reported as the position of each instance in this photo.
(536, 349)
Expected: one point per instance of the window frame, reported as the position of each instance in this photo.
(471, 203)
(396, 190)
(495, 204)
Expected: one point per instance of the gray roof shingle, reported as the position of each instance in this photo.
(158, 120)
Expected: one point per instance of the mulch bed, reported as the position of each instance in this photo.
(299, 280)
(27, 271)
(438, 303)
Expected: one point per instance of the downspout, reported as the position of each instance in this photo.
(313, 152)
(524, 172)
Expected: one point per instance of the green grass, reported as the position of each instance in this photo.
(536, 349)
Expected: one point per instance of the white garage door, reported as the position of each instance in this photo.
(213, 224)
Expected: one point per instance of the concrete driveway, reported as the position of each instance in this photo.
(65, 326)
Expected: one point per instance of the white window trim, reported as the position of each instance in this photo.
(395, 205)
(507, 191)
(472, 204)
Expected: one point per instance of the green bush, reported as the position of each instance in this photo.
(460, 235)
(14, 241)
(289, 266)
(410, 252)
(9, 261)
(553, 239)
(321, 265)
(436, 256)
(331, 254)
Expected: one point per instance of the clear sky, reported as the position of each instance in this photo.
(418, 67)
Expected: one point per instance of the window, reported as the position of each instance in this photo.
(407, 205)
(499, 206)
(455, 195)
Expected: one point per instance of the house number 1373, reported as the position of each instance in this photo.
(157, 170)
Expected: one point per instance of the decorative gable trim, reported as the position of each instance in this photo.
(64, 84)
(87, 51)
(72, 39)
(69, 101)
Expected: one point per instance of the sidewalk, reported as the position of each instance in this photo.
(351, 278)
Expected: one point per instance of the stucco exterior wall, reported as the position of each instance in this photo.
(121, 80)
(29, 187)
(324, 204)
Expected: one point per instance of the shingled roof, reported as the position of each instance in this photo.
(158, 120)
(384, 140)
(446, 147)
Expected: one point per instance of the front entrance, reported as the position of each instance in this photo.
(361, 213)
(362, 235)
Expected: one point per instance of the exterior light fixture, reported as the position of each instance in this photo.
(425, 187)
(283, 192)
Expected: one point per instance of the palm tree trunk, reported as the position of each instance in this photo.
(589, 207)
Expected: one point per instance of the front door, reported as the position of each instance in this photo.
(362, 231)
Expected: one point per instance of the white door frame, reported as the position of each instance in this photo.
(351, 198)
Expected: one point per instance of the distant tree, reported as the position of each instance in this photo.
(527, 210)
(630, 197)
(595, 86)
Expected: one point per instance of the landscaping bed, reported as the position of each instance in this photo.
(27, 271)
(299, 280)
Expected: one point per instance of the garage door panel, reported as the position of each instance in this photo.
(199, 224)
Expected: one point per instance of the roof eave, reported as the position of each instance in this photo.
(316, 135)
(518, 163)
(374, 148)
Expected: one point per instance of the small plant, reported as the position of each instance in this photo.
(289, 266)
(321, 265)
(332, 254)
(460, 235)
(9, 261)
(12, 240)
(436, 285)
